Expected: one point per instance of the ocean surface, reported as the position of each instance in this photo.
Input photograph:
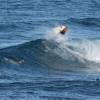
(37, 63)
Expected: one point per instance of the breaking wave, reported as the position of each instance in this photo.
(55, 51)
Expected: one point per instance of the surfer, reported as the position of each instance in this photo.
(63, 29)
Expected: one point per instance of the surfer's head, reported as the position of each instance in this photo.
(63, 29)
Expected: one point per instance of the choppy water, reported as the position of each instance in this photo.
(38, 64)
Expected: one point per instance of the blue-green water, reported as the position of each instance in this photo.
(38, 64)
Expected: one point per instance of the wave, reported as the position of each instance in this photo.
(54, 51)
(74, 56)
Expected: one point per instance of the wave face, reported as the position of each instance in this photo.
(73, 55)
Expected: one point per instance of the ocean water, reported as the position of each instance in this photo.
(37, 63)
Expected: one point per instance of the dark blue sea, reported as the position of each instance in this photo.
(37, 63)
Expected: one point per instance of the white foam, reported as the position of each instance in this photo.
(55, 35)
(87, 49)
(92, 50)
